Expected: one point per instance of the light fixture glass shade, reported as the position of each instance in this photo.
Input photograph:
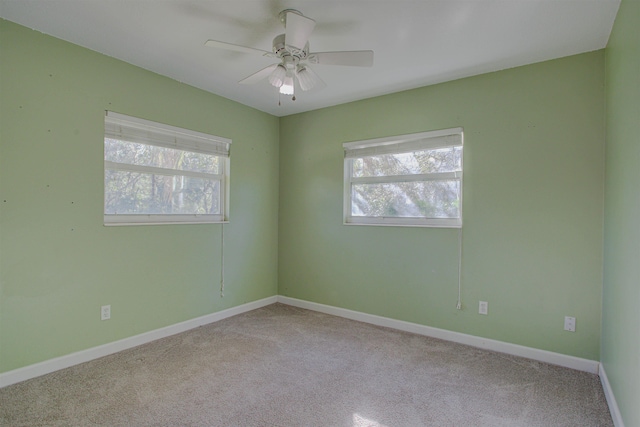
(276, 78)
(287, 86)
(305, 78)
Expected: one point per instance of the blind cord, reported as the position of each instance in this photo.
(459, 305)
(222, 263)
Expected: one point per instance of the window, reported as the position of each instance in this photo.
(406, 180)
(156, 174)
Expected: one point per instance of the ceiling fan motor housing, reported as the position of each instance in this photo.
(282, 50)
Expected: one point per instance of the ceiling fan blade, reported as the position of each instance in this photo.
(257, 76)
(298, 28)
(355, 58)
(237, 48)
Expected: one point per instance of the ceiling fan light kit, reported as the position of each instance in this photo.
(306, 79)
(276, 78)
(287, 87)
(292, 48)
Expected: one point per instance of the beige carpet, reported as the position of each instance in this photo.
(283, 366)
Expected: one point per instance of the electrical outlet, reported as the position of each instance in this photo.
(483, 307)
(105, 312)
(570, 324)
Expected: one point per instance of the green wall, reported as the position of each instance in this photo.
(621, 296)
(532, 209)
(58, 262)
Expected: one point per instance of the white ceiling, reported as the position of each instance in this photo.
(416, 43)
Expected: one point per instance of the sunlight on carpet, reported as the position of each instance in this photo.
(360, 421)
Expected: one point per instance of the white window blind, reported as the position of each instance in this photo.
(405, 144)
(132, 129)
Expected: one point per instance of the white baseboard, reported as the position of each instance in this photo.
(51, 365)
(48, 366)
(611, 400)
(572, 362)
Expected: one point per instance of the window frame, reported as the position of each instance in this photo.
(453, 137)
(136, 130)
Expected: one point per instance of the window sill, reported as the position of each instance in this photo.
(403, 222)
(127, 220)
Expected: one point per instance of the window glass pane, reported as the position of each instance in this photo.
(141, 193)
(428, 199)
(148, 155)
(418, 162)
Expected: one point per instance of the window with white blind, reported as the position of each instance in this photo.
(156, 173)
(406, 180)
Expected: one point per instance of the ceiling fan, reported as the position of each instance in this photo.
(292, 49)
